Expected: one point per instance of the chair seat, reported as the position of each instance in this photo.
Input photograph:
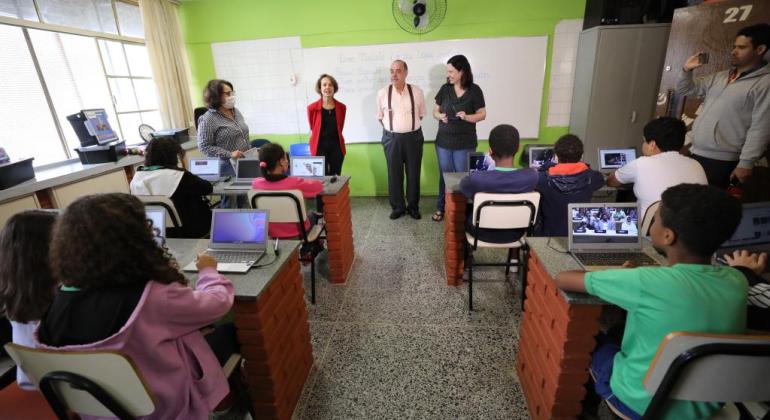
(482, 244)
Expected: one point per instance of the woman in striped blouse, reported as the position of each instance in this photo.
(222, 131)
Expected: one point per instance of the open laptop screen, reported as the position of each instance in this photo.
(204, 167)
(248, 168)
(754, 227)
(538, 156)
(308, 166)
(615, 158)
(609, 224)
(239, 227)
(158, 217)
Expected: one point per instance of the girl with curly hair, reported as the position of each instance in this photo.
(122, 292)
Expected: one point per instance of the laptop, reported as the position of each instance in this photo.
(157, 215)
(605, 235)
(752, 234)
(207, 169)
(539, 155)
(245, 172)
(312, 167)
(479, 161)
(238, 239)
(611, 159)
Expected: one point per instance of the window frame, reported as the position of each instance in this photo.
(123, 40)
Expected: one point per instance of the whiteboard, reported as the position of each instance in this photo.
(275, 81)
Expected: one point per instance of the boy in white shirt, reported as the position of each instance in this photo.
(661, 166)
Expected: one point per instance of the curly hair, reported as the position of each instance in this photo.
(569, 148)
(163, 151)
(27, 287)
(504, 141)
(105, 240)
(212, 93)
(668, 133)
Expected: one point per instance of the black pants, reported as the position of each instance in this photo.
(332, 151)
(403, 153)
(717, 171)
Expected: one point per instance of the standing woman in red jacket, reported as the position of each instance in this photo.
(327, 117)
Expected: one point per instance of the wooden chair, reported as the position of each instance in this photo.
(502, 211)
(288, 206)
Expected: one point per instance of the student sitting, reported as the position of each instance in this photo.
(161, 175)
(569, 181)
(687, 295)
(275, 164)
(661, 166)
(503, 144)
(26, 284)
(122, 292)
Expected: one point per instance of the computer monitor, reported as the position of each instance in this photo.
(307, 166)
(477, 161)
(248, 169)
(157, 215)
(538, 156)
(604, 223)
(754, 227)
(616, 158)
(98, 126)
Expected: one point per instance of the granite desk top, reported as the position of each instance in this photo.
(248, 286)
(330, 188)
(555, 259)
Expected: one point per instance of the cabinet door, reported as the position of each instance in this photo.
(111, 182)
(651, 47)
(9, 208)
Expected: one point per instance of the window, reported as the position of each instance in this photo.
(93, 58)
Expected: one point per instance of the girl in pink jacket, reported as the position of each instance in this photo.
(122, 292)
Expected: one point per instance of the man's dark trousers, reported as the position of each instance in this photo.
(403, 153)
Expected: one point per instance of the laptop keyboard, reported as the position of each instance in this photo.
(234, 256)
(614, 258)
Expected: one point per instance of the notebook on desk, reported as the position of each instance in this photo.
(752, 234)
(311, 167)
(238, 239)
(612, 159)
(605, 235)
(206, 168)
(245, 172)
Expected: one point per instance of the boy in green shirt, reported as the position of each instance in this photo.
(687, 295)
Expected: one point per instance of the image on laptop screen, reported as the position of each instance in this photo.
(239, 227)
(615, 158)
(248, 168)
(477, 161)
(204, 167)
(158, 217)
(605, 225)
(754, 227)
(98, 126)
(308, 166)
(538, 156)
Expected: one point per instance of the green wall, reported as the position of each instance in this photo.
(362, 22)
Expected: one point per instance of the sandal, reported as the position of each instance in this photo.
(437, 216)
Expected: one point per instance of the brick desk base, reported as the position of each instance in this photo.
(454, 238)
(339, 234)
(555, 344)
(275, 342)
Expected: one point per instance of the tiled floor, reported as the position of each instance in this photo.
(396, 342)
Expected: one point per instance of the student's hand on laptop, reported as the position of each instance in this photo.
(744, 258)
(204, 261)
(629, 264)
(237, 154)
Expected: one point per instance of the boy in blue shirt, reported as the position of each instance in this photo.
(689, 294)
(503, 144)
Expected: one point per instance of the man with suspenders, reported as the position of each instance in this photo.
(400, 108)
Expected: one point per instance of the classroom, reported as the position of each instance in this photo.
(279, 209)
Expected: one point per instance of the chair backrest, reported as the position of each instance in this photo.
(197, 114)
(111, 371)
(709, 367)
(644, 229)
(172, 217)
(284, 206)
(299, 149)
(505, 211)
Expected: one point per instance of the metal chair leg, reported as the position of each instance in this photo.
(312, 279)
(470, 283)
(524, 265)
(508, 262)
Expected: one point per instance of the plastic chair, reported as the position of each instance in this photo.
(288, 206)
(644, 228)
(299, 149)
(502, 211)
(172, 217)
(708, 367)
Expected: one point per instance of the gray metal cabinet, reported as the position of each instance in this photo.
(616, 83)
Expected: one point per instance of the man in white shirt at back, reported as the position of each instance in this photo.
(661, 166)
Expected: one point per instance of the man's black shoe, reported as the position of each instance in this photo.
(415, 214)
(395, 214)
